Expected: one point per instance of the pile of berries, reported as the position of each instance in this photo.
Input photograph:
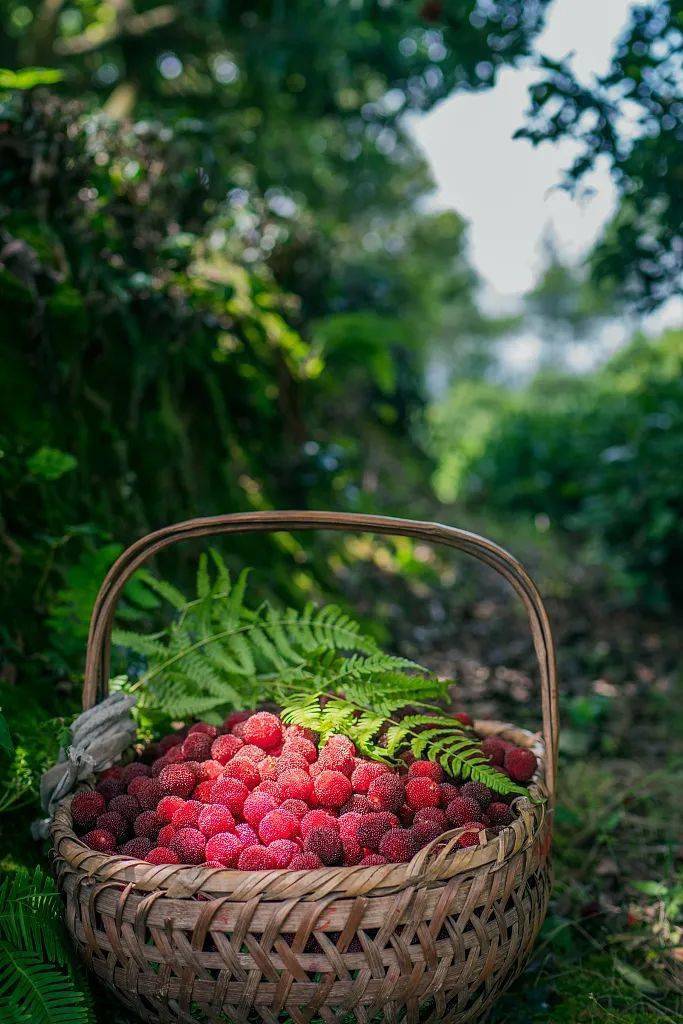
(257, 795)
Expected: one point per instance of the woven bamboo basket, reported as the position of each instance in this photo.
(436, 939)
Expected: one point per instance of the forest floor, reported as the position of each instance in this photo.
(611, 949)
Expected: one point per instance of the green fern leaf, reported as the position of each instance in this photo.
(37, 990)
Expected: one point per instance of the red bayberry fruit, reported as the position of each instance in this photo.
(277, 824)
(138, 847)
(305, 862)
(299, 808)
(461, 810)
(300, 745)
(469, 838)
(494, 749)
(202, 792)
(427, 770)
(197, 746)
(448, 792)
(256, 806)
(477, 791)
(358, 802)
(422, 792)
(317, 819)
(326, 844)
(348, 825)
(234, 718)
(162, 855)
(189, 844)
(187, 815)
(337, 757)
(295, 785)
(372, 827)
(112, 821)
(86, 807)
(215, 818)
(332, 789)
(398, 845)
(244, 770)
(264, 730)
(371, 860)
(253, 753)
(101, 840)
(111, 787)
(225, 848)
(147, 824)
(464, 718)
(204, 727)
(499, 814)
(257, 858)
(210, 770)
(224, 748)
(177, 780)
(433, 814)
(230, 792)
(134, 770)
(149, 794)
(166, 835)
(175, 739)
(425, 831)
(246, 833)
(386, 793)
(125, 805)
(365, 773)
(521, 764)
(285, 850)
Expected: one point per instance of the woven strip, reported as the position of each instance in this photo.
(436, 939)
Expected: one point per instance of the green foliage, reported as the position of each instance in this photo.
(38, 983)
(640, 253)
(596, 456)
(315, 664)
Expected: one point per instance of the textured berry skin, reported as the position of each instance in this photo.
(162, 855)
(461, 810)
(244, 770)
(317, 819)
(147, 825)
(197, 746)
(112, 821)
(257, 858)
(422, 792)
(426, 770)
(336, 739)
(225, 848)
(133, 770)
(174, 739)
(291, 762)
(433, 814)
(372, 860)
(295, 785)
(149, 794)
(358, 802)
(215, 818)
(300, 745)
(138, 847)
(125, 805)
(101, 840)
(305, 862)
(136, 784)
(253, 753)
(277, 824)
(477, 791)
(386, 793)
(177, 780)
(270, 787)
(398, 845)
(166, 835)
(189, 844)
(256, 806)
(86, 807)
(187, 815)
(202, 792)
(238, 729)
(470, 838)
(234, 718)
(210, 770)
(365, 773)
(353, 852)
(326, 844)
(204, 727)
(348, 825)
(371, 829)
(264, 730)
(285, 850)
(521, 764)
(299, 808)
(499, 814)
(425, 831)
(463, 717)
(246, 833)
(231, 793)
(111, 787)
(224, 748)
(448, 792)
(494, 750)
(338, 758)
(332, 789)
(267, 769)
(406, 815)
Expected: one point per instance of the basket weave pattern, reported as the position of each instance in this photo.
(436, 939)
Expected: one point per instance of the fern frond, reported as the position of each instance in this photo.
(35, 991)
(30, 914)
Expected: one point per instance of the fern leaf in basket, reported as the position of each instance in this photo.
(316, 664)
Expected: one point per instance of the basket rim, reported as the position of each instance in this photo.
(435, 864)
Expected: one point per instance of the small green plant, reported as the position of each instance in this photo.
(316, 664)
(39, 983)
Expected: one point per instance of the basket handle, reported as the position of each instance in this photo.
(99, 639)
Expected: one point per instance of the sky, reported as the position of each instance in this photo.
(504, 187)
